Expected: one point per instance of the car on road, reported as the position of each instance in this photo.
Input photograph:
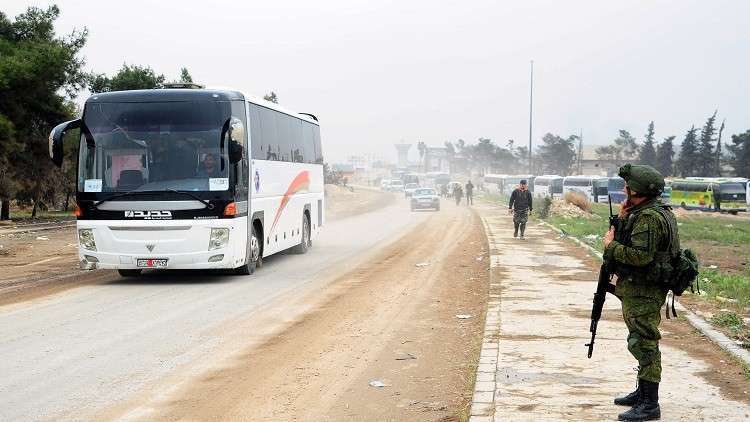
(425, 198)
(410, 188)
(396, 186)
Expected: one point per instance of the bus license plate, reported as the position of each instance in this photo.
(151, 263)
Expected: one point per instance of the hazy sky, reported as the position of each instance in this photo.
(379, 72)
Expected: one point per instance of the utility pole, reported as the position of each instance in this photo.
(531, 108)
(580, 153)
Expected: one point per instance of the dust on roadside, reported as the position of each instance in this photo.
(390, 321)
(342, 202)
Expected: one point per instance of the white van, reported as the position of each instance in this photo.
(548, 185)
(594, 187)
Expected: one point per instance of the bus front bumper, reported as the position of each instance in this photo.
(174, 244)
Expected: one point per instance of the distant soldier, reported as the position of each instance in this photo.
(469, 193)
(458, 193)
(641, 258)
(520, 206)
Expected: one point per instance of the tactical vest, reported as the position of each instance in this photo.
(660, 269)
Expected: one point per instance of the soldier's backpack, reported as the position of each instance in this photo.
(683, 273)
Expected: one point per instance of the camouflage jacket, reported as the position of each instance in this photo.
(641, 255)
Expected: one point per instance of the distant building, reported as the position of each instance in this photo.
(591, 164)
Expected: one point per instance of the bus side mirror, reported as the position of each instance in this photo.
(236, 140)
(56, 140)
(235, 152)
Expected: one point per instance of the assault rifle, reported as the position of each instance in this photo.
(603, 285)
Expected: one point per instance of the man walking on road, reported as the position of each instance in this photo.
(641, 257)
(469, 193)
(520, 206)
(458, 193)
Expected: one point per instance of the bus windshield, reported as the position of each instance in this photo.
(616, 184)
(155, 146)
(732, 191)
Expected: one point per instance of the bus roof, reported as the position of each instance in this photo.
(185, 94)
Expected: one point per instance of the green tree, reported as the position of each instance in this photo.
(40, 72)
(127, 78)
(719, 152)
(739, 154)
(271, 97)
(557, 154)
(706, 160)
(647, 154)
(665, 156)
(185, 76)
(627, 146)
(688, 154)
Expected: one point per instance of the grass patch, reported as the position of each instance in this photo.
(25, 214)
(738, 330)
(723, 287)
(706, 235)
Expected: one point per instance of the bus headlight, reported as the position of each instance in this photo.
(219, 238)
(86, 239)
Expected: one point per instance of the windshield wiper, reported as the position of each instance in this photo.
(202, 201)
(142, 192)
(120, 195)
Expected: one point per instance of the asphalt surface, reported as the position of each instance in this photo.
(73, 354)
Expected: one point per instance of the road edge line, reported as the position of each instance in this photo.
(695, 320)
(483, 398)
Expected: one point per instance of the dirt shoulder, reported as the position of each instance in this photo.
(344, 202)
(389, 321)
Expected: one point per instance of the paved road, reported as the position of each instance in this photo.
(72, 354)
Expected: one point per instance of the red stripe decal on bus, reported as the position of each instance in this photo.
(302, 181)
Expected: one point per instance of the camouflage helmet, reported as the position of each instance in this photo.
(643, 179)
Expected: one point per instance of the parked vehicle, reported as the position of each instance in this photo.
(548, 185)
(594, 187)
(409, 189)
(710, 194)
(616, 189)
(425, 198)
(396, 186)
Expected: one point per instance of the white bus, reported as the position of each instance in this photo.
(192, 179)
(493, 182)
(548, 185)
(511, 182)
(594, 187)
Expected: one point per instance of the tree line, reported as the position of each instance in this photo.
(702, 153)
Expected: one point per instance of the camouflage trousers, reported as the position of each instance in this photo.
(642, 316)
(520, 216)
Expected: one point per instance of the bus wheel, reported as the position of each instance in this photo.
(305, 243)
(683, 205)
(252, 256)
(129, 273)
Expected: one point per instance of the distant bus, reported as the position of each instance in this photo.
(509, 183)
(710, 194)
(548, 185)
(616, 189)
(493, 182)
(594, 187)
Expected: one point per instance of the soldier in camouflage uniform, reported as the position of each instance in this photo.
(640, 255)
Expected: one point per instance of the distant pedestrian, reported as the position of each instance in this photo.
(469, 193)
(520, 206)
(458, 193)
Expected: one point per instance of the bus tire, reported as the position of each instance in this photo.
(305, 242)
(252, 256)
(683, 205)
(129, 273)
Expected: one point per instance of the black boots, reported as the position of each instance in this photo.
(523, 229)
(515, 231)
(647, 408)
(629, 400)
